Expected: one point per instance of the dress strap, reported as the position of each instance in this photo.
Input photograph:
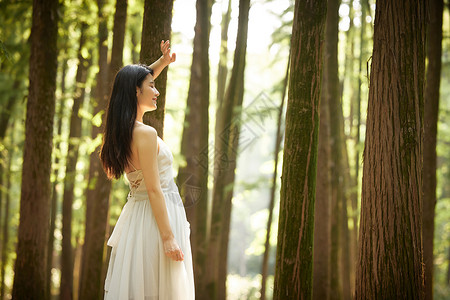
(132, 165)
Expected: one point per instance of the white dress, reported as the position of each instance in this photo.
(138, 268)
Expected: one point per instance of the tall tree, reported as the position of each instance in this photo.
(322, 213)
(293, 274)
(97, 200)
(278, 140)
(157, 26)
(226, 145)
(66, 290)
(431, 109)
(332, 95)
(54, 199)
(390, 240)
(35, 187)
(222, 71)
(193, 177)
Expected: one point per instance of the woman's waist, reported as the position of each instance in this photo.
(141, 193)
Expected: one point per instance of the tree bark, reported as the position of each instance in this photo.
(322, 216)
(294, 263)
(332, 95)
(390, 252)
(157, 26)
(278, 140)
(36, 189)
(193, 177)
(225, 152)
(431, 110)
(99, 187)
(66, 290)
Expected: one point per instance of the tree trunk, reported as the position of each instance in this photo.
(193, 177)
(357, 158)
(54, 200)
(322, 216)
(390, 252)
(278, 140)
(294, 264)
(222, 71)
(431, 109)
(37, 157)
(226, 142)
(156, 27)
(6, 220)
(66, 290)
(6, 112)
(345, 257)
(99, 187)
(332, 95)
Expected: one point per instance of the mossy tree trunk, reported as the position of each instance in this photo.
(431, 109)
(193, 177)
(294, 263)
(37, 158)
(390, 264)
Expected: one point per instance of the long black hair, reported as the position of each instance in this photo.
(120, 119)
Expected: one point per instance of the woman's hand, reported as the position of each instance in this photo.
(167, 57)
(172, 250)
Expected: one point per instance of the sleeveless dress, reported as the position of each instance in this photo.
(138, 268)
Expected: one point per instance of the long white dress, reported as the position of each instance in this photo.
(138, 268)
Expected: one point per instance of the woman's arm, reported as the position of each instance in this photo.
(147, 150)
(166, 59)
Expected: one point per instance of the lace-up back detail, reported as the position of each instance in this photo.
(165, 159)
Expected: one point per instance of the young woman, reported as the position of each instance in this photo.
(151, 252)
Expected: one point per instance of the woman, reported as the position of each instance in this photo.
(151, 252)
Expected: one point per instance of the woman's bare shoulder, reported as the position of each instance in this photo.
(144, 135)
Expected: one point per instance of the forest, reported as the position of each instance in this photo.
(311, 143)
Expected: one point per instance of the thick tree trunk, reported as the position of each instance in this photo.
(431, 109)
(156, 27)
(294, 267)
(278, 140)
(66, 290)
(322, 215)
(332, 95)
(390, 253)
(193, 177)
(226, 139)
(35, 192)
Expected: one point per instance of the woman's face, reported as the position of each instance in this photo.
(147, 94)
